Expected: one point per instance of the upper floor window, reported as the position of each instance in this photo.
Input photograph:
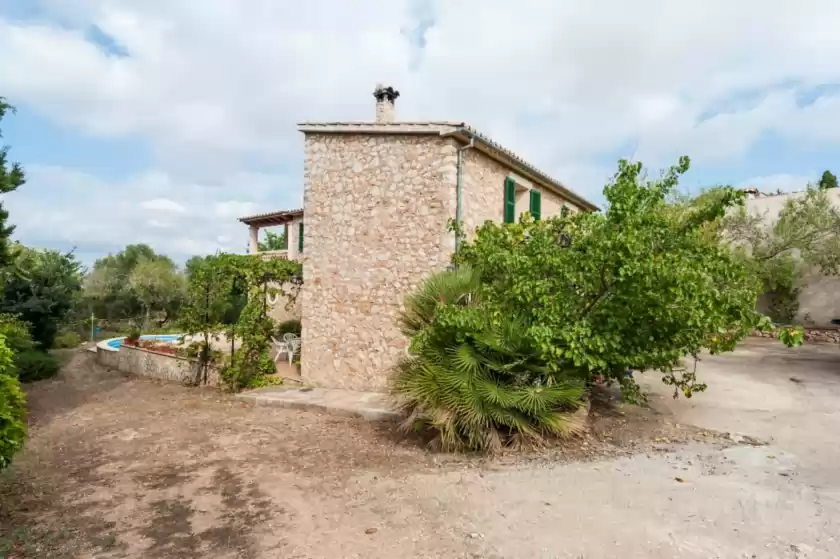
(536, 204)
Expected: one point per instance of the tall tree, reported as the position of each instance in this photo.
(11, 177)
(41, 287)
(108, 292)
(158, 286)
(273, 241)
(805, 235)
(827, 180)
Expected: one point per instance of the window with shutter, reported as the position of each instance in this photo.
(536, 204)
(300, 237)
(510, 200)
(564, 211)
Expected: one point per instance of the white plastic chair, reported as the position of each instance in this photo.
(292, 342)
(282, 347)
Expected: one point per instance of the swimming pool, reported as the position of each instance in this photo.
(115, 343)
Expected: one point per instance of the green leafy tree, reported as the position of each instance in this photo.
(30, 363)
(827, 180)
(11, 177)
(158, 286)
(212, 283)
(238, 293)
(804, 236)
(208, 301)
(108, 292)
(273, 241)
(40, 287)
(12, 408)
(639, 286)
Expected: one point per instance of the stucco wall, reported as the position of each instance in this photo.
(292, 242)
(483, 192)
(376, 213)
(138, 361)
(819, 298)
(281, 309)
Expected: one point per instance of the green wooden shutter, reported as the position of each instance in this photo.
(300, 237)
(536, 204)
(510, 200)
(564, 211)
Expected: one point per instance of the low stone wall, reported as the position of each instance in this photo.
(146, 363)
(812, 335)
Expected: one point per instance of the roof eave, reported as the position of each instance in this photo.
(271, 219)
(489, 147)
(459, 130)
(399, 128)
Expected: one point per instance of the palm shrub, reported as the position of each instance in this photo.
(473, 376)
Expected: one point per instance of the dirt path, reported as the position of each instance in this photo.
(124, 467)
(131, 467)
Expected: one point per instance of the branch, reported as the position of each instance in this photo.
(603, 291)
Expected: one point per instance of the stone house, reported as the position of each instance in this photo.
(378, 197)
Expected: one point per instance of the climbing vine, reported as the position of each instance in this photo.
(210, 298)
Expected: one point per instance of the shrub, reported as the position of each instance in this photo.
(41, 287)
(133, 337)
(12, 408)
(67, 340)
(475, 378)
(288, 327)
(639, 286)
(241, 374)
(16, 333)
(32, 365)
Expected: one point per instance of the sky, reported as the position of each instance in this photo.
(162, 122)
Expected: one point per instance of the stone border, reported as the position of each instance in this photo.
(103, 345)
(812, 335)
(147, 363)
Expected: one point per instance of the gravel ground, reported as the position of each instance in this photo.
(126, 467)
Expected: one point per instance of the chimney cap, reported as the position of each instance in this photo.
(381, 93)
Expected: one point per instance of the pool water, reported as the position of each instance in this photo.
(170, 338)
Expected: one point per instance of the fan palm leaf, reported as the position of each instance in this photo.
(478, 384)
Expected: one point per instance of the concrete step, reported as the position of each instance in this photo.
(372, 406)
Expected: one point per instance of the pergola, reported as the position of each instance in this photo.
(271, 219)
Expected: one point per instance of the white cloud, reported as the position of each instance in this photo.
(216, 87)
(84, 212)
(232, 209)
(163, 205)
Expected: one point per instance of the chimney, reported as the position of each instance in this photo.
(385, 97)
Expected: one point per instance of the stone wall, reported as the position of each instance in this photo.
(145, 363)
(811, 335)
(483, 192)
(376, 215)
(281, 309)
